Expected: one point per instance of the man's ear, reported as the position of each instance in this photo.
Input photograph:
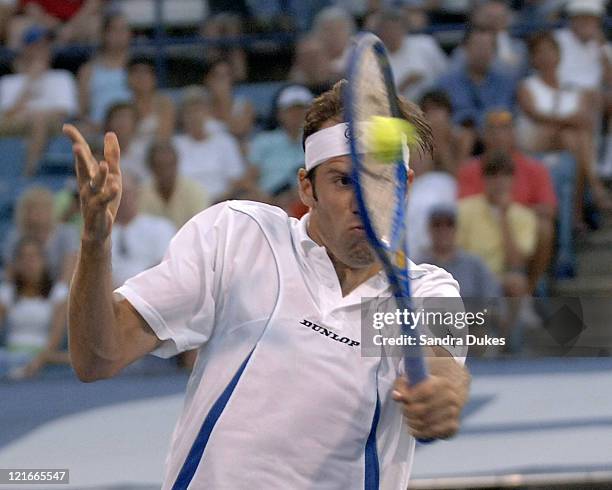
(410, 176)
(305, 189)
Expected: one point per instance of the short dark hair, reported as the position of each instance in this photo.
(209, 65)
(330, 105)
(114, 109)
(437, 98)
(472, 29)
(541, 37)
(141, 60)
(158, 145)
(498, 163)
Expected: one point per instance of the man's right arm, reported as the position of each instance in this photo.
(104, 335)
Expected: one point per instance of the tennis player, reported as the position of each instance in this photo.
(280, 396)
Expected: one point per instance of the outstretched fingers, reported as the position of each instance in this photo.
(112, 153)
(85, 163)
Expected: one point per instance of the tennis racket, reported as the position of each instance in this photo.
(381, 188)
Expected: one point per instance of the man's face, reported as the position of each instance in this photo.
(141, 78)
(442, 230)
(480, 50)
(334, 217)
(194, 116)
(586, 27)
(164, 165)
(291, 118)
(391, 33)
(123, 122)
(493, 15)
(335, 35)
(499, 136)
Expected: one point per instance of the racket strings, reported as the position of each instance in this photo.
(378, 180)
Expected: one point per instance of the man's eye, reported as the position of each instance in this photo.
(344, 181)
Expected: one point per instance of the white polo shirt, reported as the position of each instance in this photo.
(280, 396)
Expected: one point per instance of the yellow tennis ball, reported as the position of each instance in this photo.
(385, 136)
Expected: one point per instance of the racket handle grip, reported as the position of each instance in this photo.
(415, 369)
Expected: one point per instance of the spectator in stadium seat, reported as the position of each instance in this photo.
(501, 232)
(226, 25)
(584, 63)
(122, 119)
(155, 110)
(312, 66)
(414, 15)
(34, 218)
(478, 87)
(334, 26)
(531, 185)
(36, 99)
(235, 115)
(33, 309)
(211, 158)
(75, 21)
(416, 59)
(168, 194)
(103, 80)
(454, 144)
(555, 118)
(510, 53)
(474, 277)
(277, 154)
(139, 240)
(432, 186)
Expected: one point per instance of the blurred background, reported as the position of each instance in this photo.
(207, 98)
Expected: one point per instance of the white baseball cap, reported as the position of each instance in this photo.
(585, 7)
(294, 95)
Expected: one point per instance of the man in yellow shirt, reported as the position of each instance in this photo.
(168, 194)
(501, 232)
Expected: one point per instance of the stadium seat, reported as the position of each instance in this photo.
(10, 189)
(261, 96)
(186, 13)
(57, 160)
(54, 183)
(12, 157)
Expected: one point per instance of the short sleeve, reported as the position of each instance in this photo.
(178, 297)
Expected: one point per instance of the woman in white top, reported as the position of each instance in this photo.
(555, 118)
(33, 311)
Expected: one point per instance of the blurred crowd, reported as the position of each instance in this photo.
(522, 126)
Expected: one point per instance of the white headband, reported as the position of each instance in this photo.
(333, 142)
(325, 144)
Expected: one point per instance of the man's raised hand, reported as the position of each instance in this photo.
(99, 184)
